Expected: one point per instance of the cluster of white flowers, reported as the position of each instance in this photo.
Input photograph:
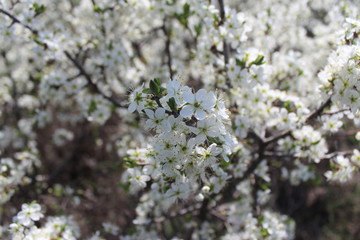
(191, 141)
(24, 226)
(14, 172)
(61, 136)
(343, 168)
(275, 82)
(343, 69)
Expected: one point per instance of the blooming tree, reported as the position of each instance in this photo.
(226, 99)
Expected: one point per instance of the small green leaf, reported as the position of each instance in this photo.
(264, 186)
(92, 107)
(186, 9)
(172, 104)
(40, 43)
(258, 61)
(216, 18)
(98, 9)
(261, 219)
(129, 162)
(198, 29)
(155, 88)
(39, 9)
(316, 143)
(240, 63)
(162, 90)
(146, 90)
(264, 232)
(157, 81)
(124, 186)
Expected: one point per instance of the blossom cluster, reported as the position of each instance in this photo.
(24, 226)
(258, 92)
(191, 142)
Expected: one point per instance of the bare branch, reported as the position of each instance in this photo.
(226, 49)
(16, 20)
(92, 85)
(319, 110)
(167, 33)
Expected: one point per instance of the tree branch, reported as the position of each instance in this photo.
(92, 85)
(319, 110)
(262, 144)
(226, 49)
(16, 20)
(167, 33)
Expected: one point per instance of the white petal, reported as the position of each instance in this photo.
(149, 113)
(160, 112)
(188, 96)
(199, 139)
(201, 95)
(166, 126)
(200, 114)
(212, 132)
(187, 111)
(210, 101)
(132, 107)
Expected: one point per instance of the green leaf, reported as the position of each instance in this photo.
(316, 143)
(155, 88)
(264, 232)
(186, 9)
(261, 219)
(183, 17)
(146, 90)
(157, 81)
(92, 107)
(216, 18)
(162, 90)
(40, 43)
(198, 29)
(264, 186)
(172, 104)
(98, 9)
(39, 9)
(129, 162)
(124, 186)
(240, 63)
(258, 61)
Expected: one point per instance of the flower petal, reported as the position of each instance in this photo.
(149, 113)
(200, 114)
(210, 101)
(188, 96)
(159, 113)
(201, 95)
(132, 107)
(187, 111)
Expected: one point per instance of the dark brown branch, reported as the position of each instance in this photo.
(167, 33)
(277, 137)
(228, 191)
(226, 49)
(319, 110)
(336, 112)
(92, 85)
(16, 20)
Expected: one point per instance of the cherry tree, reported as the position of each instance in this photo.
(210, 104)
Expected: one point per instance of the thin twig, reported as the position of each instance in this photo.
(92, 85)
(167, 33)
(16, 20)
(226, 49)
(262, 144)
(319, 110)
